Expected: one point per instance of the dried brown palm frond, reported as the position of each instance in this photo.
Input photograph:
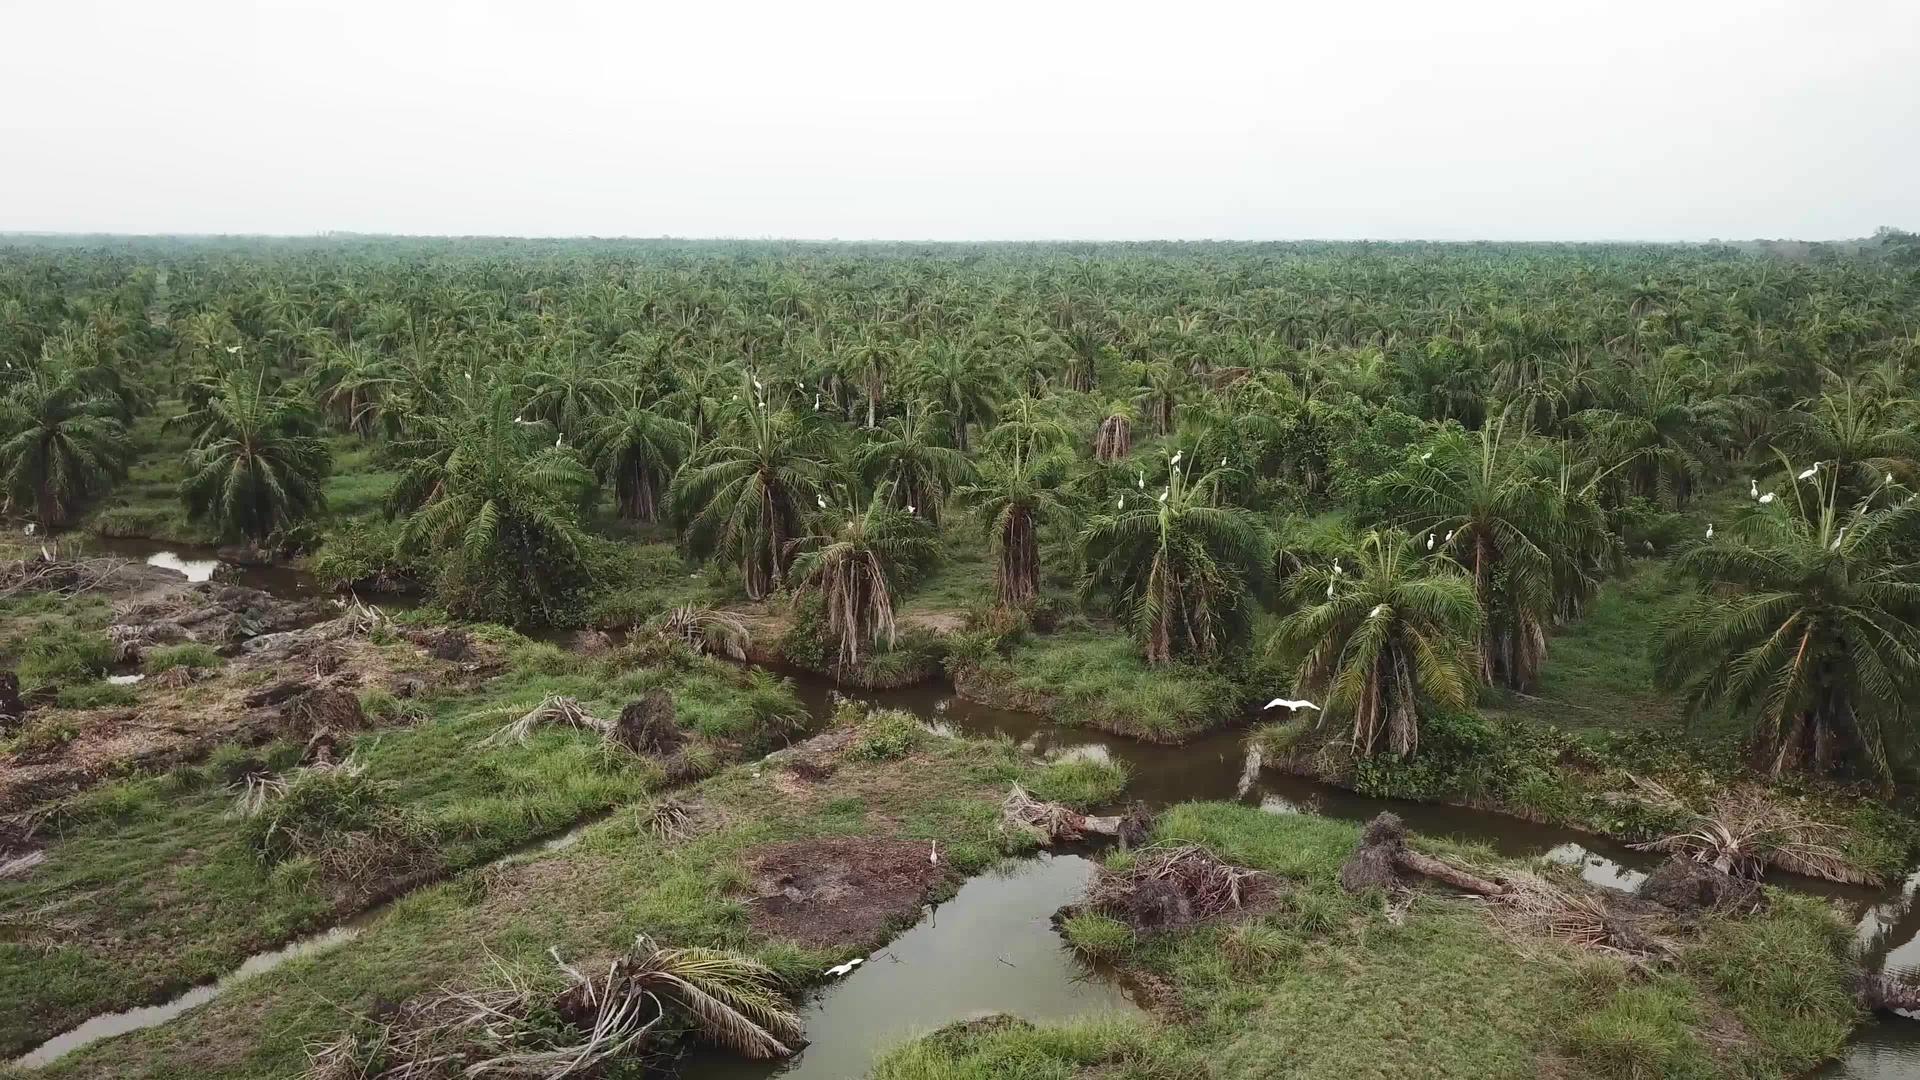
(1533, 906)
(554, 710)
(667, 819)
(1747, 830)
(706, 631)
(1044, 822)
(1114, 440)
(254, 791)
(363, 619)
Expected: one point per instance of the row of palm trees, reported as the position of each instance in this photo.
(1499, 429)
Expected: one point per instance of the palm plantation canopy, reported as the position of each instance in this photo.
(1135, 436)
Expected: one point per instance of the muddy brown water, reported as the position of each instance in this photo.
(991, 948)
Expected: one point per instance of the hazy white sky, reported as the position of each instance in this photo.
(1509, 119)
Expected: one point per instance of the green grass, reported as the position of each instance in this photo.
(1097, 678)
(1599, 671)
(1325, 986)
(585, 900)
(1081, 781)
(163, 888)
(191, 655)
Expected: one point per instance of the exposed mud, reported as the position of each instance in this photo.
(841, 892)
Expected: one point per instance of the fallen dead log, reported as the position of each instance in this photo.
(1384, 861)
(1048, 823)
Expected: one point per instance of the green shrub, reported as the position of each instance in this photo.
(95, 695)
(365, 557)
(1080, 781)
(62, 654)
(191, 655)
(1100, 937)
(887, 735)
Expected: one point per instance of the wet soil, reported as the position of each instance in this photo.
(841, 893)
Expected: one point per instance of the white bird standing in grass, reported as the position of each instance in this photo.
(822, 500)
(1329, 588)
(933, 853)
(842, 969)
(1753, 489)
(1809, 471)
(1709, 530)
(1120, 502)
(1290, 703)
(1766, 499)
(1337, 570)
(1429, 541)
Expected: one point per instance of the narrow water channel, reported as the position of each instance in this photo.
(992, 948)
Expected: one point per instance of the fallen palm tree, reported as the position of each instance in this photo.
(1383, 860)
(506, 1029)
(1166, 888)
(1048, 823)
(1601, 921)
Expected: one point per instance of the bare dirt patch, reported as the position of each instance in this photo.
(843, 891)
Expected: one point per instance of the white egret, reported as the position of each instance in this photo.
(1839, 536)
(842, 969)
(909, 508)
(231, 349)
(1377, 609)
(1428, 456)
(1290, 703)
(1337, 570)
(30, 528)
(1429, 541)
(1175, 459)
(1449, 538)
(1120, 502)
(822, 500)
(1753, 489)
(933, 853)
(1223, 463)
(1809, 471)
(1163, 494)
(559, 440)
(1709, 530)
(1329, 588)
(1140, 481)
(1767, 498)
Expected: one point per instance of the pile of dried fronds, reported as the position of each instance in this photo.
(1169, 887)
(363, 619)
(1889, 989)
(1532, 906)
(497, 1031)
(1046, 823)
(554, 710)
(705, 631)
(1747, 830)
(255, 792)
(60, 577)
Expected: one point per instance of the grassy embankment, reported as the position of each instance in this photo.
(891, 780)
(1330, 985)
(154, 884)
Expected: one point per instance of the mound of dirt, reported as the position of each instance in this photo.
(325, 708)
(1171, 887)
(840, 892)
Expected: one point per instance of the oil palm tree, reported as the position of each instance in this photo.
(1113, 436)
(1809, 627)
(908, 462)
(1181, 569)
(965, 385)
(746, 495)
(1489, 504)
(1016, 495)
(1384, 642)
(63, 445)
(636, 450)
(500, 516)
(255, 467)
(854, 562)
(352, 383)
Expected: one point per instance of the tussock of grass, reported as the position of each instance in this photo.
(1099, 680)
(193, 656)
(1080, 782)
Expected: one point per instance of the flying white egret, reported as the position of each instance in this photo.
(1767, 498)
(1709, 530)
(1753, 489)
(842, 969)
(1289, 703)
